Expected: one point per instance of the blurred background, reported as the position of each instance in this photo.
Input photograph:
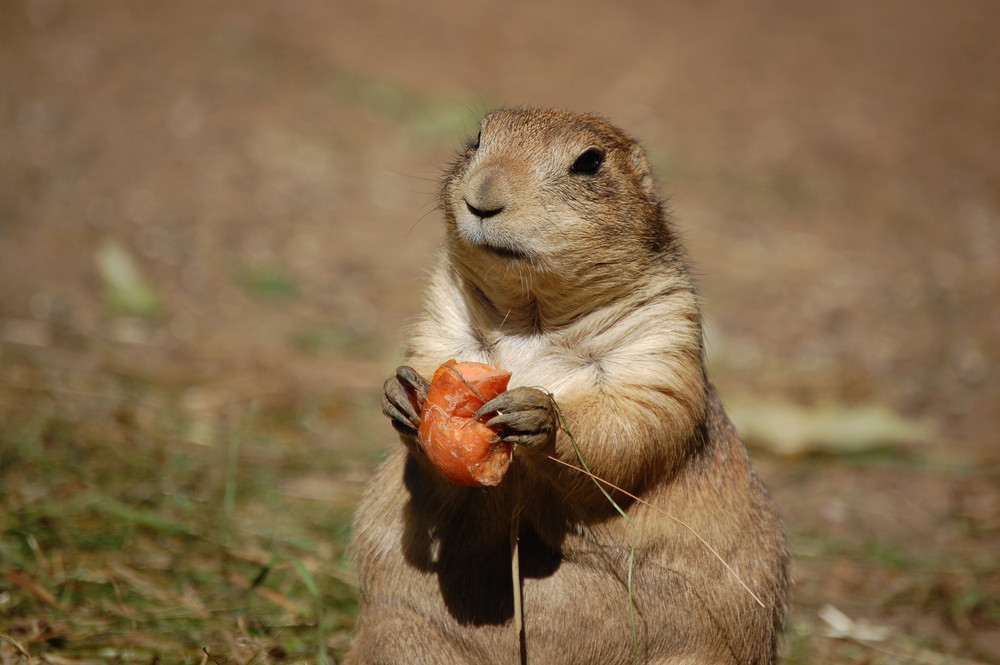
(215, 224)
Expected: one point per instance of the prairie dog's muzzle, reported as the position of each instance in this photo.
(489, 190)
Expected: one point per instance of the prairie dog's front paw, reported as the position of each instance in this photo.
(403, 398)
(523, 416)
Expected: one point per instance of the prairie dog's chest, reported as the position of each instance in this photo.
(542, 361)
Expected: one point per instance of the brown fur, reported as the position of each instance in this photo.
(577, 284)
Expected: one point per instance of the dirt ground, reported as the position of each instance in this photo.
(216, 205)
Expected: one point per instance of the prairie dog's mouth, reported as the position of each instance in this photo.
(486, 235)
(506, 252)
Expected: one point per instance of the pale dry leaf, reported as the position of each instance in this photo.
(789, 429)
(841, 626)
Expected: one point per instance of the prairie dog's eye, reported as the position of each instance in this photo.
(474, 143)
(589, 162)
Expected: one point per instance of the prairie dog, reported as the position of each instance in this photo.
(561, 266)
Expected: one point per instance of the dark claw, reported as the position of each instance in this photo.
(403, 429)
(409, 377)
(533, 419)
(536, 440)
(403, 397)
(397, 416)
(524, 416)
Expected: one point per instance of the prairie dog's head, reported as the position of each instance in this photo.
(548, 198)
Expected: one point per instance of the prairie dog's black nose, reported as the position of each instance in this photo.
(483, 214)
(488, 191)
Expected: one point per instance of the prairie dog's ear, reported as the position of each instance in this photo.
(640, 165)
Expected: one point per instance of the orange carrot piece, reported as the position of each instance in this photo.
(464, 450)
